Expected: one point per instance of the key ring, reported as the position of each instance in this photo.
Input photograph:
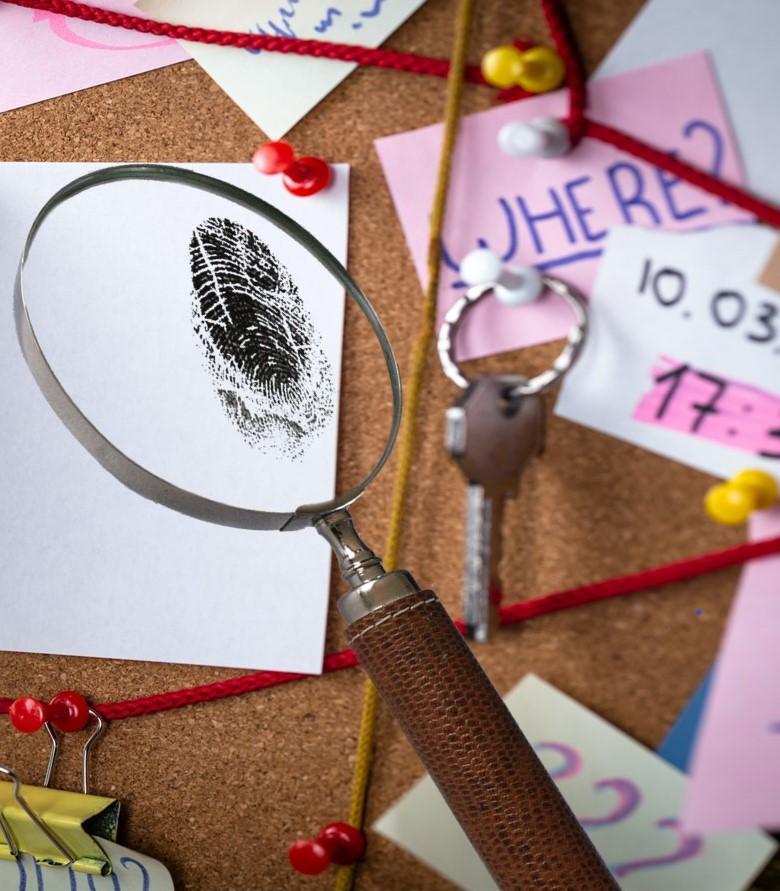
(566, 358)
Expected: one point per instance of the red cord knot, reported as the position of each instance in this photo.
(68, 712)
(576, 128)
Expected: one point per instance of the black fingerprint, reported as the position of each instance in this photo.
(266, 360)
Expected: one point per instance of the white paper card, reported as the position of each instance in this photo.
(683, 354)
(274, 89)
(132, 872)
(742, 39)
(92, 569)
(627, 798)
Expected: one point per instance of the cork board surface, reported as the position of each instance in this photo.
(218, 791)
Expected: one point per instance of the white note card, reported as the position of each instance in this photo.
(206, 345)
(276, 90)
(683, 353)
(131, 872)
(626, 797)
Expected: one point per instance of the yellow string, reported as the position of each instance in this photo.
(413, 390)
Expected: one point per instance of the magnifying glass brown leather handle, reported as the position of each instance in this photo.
(474, 750)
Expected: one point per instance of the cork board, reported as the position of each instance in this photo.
(218, 791)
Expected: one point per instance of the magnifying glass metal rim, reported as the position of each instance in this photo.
(120, 465)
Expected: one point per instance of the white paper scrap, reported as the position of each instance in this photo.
(683, 353)
(276, 90)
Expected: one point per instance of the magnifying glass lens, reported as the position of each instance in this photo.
(201, 340)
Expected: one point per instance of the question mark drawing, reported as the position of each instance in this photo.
(628, 794)
(688, 846)
(629, 798)
(698, 126)
(572, 761)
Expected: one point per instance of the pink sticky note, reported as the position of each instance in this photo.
(735, 773)
(44, 55)
(697, 402)
(555, 213)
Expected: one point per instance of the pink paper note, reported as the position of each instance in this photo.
(708, 405)
(555, 213)
(735, 773)
(44, 55)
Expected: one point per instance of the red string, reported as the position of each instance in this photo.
(566, 47)
(561, 35)
(344, 52)
(766, 212)
(509, 615)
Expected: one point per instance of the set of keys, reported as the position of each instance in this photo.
(494, 429)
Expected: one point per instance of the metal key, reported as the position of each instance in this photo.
(491, 437)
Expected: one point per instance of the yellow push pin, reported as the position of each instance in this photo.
(501, 66)
(731, 503)
(541, 70)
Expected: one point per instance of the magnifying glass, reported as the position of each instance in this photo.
(147, 423)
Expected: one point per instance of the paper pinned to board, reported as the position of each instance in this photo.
(626, 797)
(132, 872)
(735, 768)
(555, 213)
(111, 287)
(277, 90)
(683, 353)
(742, 41)
(43, 54)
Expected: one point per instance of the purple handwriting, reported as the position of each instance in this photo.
(569, 209)
(629, 797)
(688, 846)
(628, 800)
(283, 23)
(572, 762)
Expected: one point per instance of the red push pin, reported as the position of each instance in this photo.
(345, 843)
(307, 176)
(273, 157)
(68, 712)
(301, 176)
(338, 843)
(309, 857)
(27, 715)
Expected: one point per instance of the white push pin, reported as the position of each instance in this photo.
(537, 138)
(512, 285)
